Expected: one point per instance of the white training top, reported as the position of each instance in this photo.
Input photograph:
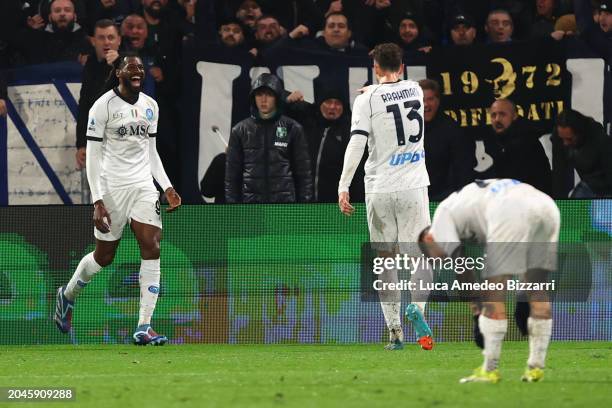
(390, 115)
(470, 213)
(124, 130)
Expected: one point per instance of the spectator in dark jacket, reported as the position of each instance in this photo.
(462, 30)
(99, 65)
(62, 40)
(450, 154)
(518, 153)
(267, 156)
(268, 34)
(499, 26)
(336, 37)
(327, 125)
(579, 142)
(411, 35)
(231, 34)
(599, 38)
(544, 21)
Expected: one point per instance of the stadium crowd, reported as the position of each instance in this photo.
(94, 32)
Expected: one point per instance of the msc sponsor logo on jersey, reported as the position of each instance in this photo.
(133, 130)
(408, 157)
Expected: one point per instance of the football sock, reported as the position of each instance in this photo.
(421, 306)
(391, 303)
(421, 277)
(391, 310)
(86, 269)
(149, 289)
(493, 331)
(539, 339)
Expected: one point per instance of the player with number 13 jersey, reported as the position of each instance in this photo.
(389, 118)
(390, 115)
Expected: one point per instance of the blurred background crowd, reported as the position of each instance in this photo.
(95, 32)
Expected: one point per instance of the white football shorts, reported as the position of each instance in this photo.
(139, 204)
(522, 235)
(398, 217)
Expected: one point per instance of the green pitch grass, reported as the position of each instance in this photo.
(579, 374)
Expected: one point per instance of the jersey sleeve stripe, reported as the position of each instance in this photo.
(360, 132)
(94, 139)
(152, 134)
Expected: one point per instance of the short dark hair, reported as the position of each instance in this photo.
(431, 85)
(123, 57)
(388, 56)
(572, 119)
(50, 3)
(266, 16)
(500, 11)
(338, 13)
(105, 23)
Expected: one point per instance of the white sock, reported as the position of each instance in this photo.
(391, 310)
(86, 269)
(421, 306)
(539, 338)
(391, 304)
(149, 289)
(421, 277)
(493, 331)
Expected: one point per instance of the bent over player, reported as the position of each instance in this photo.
(389, 118)
(520, 227)
(122, 161)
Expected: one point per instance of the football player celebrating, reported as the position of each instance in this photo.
(122, 161)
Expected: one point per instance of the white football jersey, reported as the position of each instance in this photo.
(470, 213)
(124, 130)
(391, 116)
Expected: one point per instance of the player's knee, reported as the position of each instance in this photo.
(540, 310)
(494, 310)
(149, 248)
(104, 259)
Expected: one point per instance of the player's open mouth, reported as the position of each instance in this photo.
(135, 81)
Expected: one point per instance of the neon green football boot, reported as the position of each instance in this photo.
(482, 376)
(533, 375)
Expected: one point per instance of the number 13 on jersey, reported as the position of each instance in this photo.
(413, 107)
